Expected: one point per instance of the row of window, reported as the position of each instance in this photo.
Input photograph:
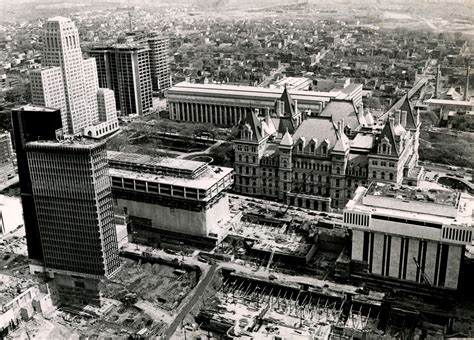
(383, 163)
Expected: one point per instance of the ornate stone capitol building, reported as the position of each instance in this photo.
(317, 161)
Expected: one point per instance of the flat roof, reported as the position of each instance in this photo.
(36, 108)
(223, 90)
(154, 161)
(436, 196)
(450, 102)
(204, 182)
(83, 143)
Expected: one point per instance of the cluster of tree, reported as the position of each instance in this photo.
(463, 123)
(20, 94)
(460, 153)
(223, 154)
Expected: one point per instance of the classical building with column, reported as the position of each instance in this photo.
(409, 235)
(227, 105)
(318, 161)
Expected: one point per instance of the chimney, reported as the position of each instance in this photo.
(267, 116)
(404, 118)
(437, 84)
(466, 90)
(396, 116)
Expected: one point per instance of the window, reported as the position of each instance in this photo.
(390, 176)
(338, 170)
(374, 174)
(324, 150)
(337, 182)
(246, 159)
(312, 148)
(383, 163)
(382, 175)
(300, 147)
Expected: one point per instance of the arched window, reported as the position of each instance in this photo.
(384, 148)
(319, 179)
(246, 159)
(390, 176)
(324, 150)
(317, 166)
(374, 174)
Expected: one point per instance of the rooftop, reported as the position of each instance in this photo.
(159, 162)
(82, 143)
(405, 193)
(204, 182)
(35, 108)
(251, 91)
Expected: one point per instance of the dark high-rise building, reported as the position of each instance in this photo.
(125, 68)
(32, 123)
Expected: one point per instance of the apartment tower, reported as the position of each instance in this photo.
(159, 63)
(125, 68)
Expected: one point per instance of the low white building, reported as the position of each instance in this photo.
(11, 214)
(410, 234)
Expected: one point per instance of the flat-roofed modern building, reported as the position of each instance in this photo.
(170, 197)
(409, 234)
(125, 68)
(73, 198)
(228, 105)
(32, 123)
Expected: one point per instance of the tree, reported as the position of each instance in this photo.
(18, 95)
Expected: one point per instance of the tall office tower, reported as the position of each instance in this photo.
(32, 123)
(47, 90)
(68, 82)
(62, 49)
(159, 63)
(125, 68)
(73, 199)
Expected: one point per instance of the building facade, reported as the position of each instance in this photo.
(159, 61)
(73, 199)
(66, 81)
(317, 162)
(227, 105)
(7, 167)
(409, 234)
(32, 123)
(167, 198)
(125, 68)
